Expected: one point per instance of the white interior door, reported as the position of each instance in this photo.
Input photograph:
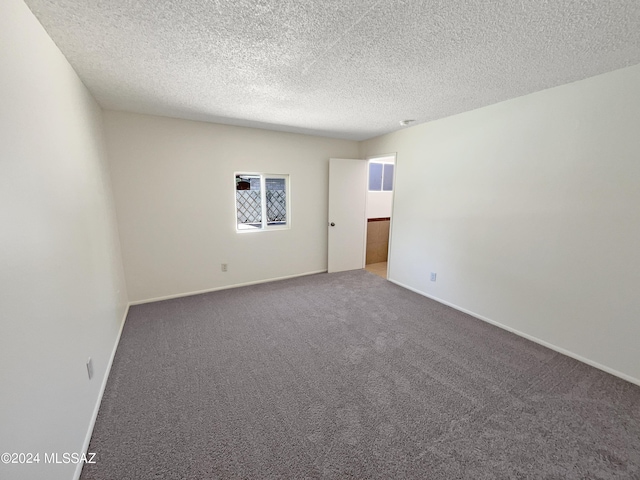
(347, 214)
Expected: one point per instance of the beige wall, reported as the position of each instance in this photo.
(174, 188)
(62, 292)
(529, 212)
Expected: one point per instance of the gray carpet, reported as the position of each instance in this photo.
(348, 376)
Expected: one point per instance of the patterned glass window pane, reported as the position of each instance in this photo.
(248, 202)
(276, 201)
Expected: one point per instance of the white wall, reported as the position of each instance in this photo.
(379, 204)
(62, 292)
(174, 188)
(529, 212)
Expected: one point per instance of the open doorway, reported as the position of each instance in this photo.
(381, 172)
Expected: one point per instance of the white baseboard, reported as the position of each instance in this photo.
(94, 416)
(551, 346)
(224, 287)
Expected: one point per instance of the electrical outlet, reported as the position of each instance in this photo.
(433, 276)
(90, 368)
(223, 267)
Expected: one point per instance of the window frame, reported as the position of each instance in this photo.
(265, 227)
(382, 162)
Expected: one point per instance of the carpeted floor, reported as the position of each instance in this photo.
(348, 376)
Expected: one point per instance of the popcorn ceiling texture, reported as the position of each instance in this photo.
(342, 68)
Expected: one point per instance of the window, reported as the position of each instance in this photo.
(262, 202)
(380, 177)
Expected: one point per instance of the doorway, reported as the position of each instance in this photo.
(381, 172)
(360, 205)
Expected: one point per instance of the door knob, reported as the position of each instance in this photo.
(332, 224)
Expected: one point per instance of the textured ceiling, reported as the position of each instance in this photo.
(341, 68)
